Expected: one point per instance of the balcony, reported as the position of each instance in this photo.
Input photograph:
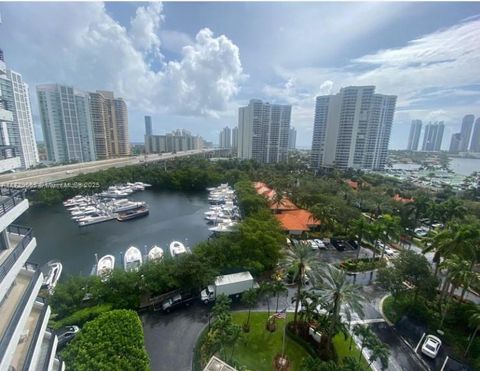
(15, 309)
(28, 348)
(47, 352)
(22, 243)
(13, 203)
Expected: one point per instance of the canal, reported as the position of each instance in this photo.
(173, 216)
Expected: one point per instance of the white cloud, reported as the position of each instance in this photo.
(144, 28)
(81, 45)
(174, 40)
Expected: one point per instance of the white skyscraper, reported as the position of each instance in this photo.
(433, 137)
(414, 136)
(465, 132)
(19, 132)
(263, 130)
(66, 123)
(235, 139)
(225, 138)
(352, 129)
(292, 138)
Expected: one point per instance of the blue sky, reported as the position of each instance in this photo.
(191, 65)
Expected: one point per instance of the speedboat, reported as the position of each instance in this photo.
(155, 253)
(177, 248)
(132, 259)
(50, 281)
(105, 266)
(132, 214)
(98, 218)
(127, 205)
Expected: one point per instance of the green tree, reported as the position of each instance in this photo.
(366, 336)
(379, 351)
(474, 321)
(279, 289)
(249, 298)
(300, 256)
(334, 288)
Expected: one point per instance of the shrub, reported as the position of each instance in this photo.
(82, 316)
(112, 341)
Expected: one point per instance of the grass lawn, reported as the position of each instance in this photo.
(342, 348)
(256, 349)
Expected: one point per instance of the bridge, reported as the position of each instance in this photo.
(37, 177)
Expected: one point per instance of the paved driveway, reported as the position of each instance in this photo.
(170, 338)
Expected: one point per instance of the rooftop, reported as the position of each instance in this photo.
(216, 364)
(233, 278)
(297, 220)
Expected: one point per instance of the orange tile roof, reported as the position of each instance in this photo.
(399, 198)
(284, 204)
(352, 184)
(297, 220)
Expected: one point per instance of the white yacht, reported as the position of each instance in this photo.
(155, 253)
(127, 205)
(94, 219)
(177, 248)
(53, 275)
(105, 266)
(132, 259)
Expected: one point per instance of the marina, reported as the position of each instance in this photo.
(109, 205)
(223, 213)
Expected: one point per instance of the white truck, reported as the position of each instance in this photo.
(229, 284)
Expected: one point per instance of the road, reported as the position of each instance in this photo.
(57, 173)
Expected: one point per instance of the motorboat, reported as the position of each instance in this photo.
(132, 259)
(89, 219)
(127, 205)
(155, 253)
(105, 266)
(52, 277)
(223, 227)
(177, 248)
(132, 214)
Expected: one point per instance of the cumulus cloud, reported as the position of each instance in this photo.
(80, 44)
(144, 28)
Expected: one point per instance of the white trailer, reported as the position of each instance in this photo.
(229, 284)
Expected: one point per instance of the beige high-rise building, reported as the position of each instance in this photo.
(110, 125)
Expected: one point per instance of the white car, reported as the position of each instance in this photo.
(431, 346)
(313, 244)
(320, 244)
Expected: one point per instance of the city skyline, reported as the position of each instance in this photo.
(149, 64)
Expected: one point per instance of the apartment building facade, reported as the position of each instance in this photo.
(263, 131)
(352, 129)
(26, 343)
(414, 136)
(18, 131)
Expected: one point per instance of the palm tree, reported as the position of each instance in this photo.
(390, 226)
(266, 291)
(359, 230)
(381, 352)
(334, 288)
(300, 256)
(366, 336)
(442, 245)
(278, 288)
(249, 298)
(474, 322)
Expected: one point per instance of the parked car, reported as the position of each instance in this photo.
(320, 244)
(338, 244)
(66, 334)
(353, 244)
(176, 301)
(313, 244)
(431, 346)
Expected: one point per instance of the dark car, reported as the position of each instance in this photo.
(66, 334)
(338, 244)
(184, 299)
(353, 244)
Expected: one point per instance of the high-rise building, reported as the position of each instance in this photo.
(225, 138)
(433, 136)
(263, 131)
(176, 141)
(66, 123)
(148, 125)
(414, 136)
(235, 139)
(113, 117)
(18, 132)
(292, 138)
(455, 143)
(465, 132)
(475, 145)
(352, 129)
(26, 343)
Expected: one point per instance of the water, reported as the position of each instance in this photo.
(464, 166)
(173, 216)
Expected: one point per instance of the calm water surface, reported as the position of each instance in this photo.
(173, 216)
(465, 166)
